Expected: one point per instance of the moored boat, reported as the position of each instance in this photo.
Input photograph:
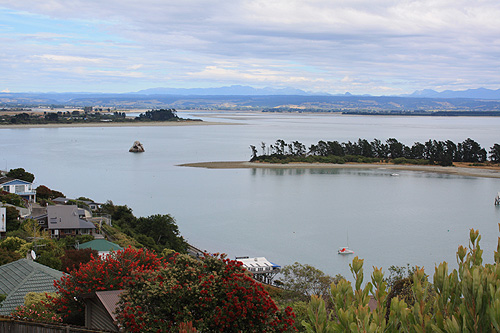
(345, 250)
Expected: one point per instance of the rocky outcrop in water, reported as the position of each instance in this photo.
(136, 147)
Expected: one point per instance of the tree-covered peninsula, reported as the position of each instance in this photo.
(432, 152)
(87, 116)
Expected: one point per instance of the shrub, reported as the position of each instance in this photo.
(73, 258)
(113, 272)
(465, 300)
(213, 293)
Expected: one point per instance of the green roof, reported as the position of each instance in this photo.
(101, 245)
(21, 277)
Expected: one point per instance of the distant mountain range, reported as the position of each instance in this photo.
(234, 90)
(239, 90)
(479, 93)
(239, 97)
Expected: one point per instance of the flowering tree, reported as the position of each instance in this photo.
(111, 273)
(213, 293)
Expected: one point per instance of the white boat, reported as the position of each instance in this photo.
(345, 250)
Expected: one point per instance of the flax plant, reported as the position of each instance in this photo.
(466, 299)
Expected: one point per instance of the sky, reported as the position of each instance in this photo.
(378, 47)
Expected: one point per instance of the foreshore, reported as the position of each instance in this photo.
(472, 171)
(118, 124)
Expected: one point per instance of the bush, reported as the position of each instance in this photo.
(111, 273)
(45, 193)
(73, 258)
(7, 256)
(465, 300)
(13, 199)
(213, 293)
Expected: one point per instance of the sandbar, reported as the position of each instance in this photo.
(118, 124)
(455, 170)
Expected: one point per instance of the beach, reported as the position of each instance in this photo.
(461, 170)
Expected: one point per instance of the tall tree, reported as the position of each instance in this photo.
(21, 174)
(495, 153)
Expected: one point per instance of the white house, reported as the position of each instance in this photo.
(262, 269)
(19, 187)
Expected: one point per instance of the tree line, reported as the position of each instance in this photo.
(431, 152)
(87, 117)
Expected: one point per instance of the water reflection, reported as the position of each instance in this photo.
(381, 172)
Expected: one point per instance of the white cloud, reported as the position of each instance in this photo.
(413, 44)
(5, 91)
(67, 59)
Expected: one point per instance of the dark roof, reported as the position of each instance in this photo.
(61, 199)
(66, 217)
(4, 180)
(101, 245)
(21, 277)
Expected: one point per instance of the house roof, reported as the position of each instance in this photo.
(21, 277)
(66, 217)
(61, 200)
(12, 181)
(109, 299)
(101, 245)
(258, 262)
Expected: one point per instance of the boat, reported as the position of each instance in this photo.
(345, 250)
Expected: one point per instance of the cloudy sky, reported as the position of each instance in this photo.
(379, 47)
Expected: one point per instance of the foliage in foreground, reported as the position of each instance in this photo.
(465, 300)
(214, 294)
(35, 308)
(111, 273)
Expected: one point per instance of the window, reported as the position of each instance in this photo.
(6, 188)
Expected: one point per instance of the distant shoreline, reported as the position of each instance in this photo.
(117, 124)
(458, 170)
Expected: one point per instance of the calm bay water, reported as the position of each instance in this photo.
(285, 215)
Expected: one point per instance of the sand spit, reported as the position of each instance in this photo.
(461, 171)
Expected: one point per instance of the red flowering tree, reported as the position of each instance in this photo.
(111, 273)
(214, 293)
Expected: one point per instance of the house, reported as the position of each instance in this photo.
(262, 269)
(21, 277)
(67, 220)
(100, 308)
(102, 246)
(64, 201)
(61, 201)
(19, 187)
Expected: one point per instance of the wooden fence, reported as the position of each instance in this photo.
(11, 325)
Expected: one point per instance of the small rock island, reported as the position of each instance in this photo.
(137, 147)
